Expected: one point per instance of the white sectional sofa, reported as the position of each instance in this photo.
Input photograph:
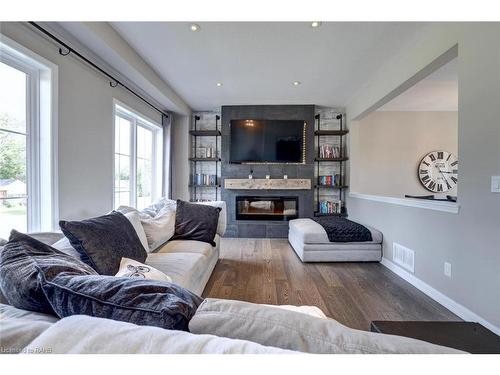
(219, 326)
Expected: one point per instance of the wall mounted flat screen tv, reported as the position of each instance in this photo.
(267, 141)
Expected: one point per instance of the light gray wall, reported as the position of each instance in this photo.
(180, 155)
(386, 149)
(469, 240)
(85, 133)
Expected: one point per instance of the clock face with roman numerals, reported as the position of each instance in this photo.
(438, 171)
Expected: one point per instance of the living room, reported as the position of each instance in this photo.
(204, 186)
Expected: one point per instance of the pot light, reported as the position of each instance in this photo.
(315, 24)
(219, 84)
(194, 27)
(296, 83)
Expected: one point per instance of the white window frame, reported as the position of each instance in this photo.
(138, 119)
(41, 133)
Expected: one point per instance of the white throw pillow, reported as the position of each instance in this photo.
(160, 228)
(65, 246)
(132, 268)
(158, 206)
(134, 217)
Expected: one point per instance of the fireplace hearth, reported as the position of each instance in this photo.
(273, 208)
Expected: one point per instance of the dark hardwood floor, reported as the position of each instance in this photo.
(269, 271)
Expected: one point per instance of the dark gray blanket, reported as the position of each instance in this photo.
(340, 229)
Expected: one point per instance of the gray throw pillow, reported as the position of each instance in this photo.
(196, 222)
(103, 241)
(133, 300)
(19, 260)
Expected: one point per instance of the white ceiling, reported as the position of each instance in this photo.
(436, 92)
(258, 62)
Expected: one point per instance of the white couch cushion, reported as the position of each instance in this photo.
(309, 310)
(296, 331)
(189, 246)
(185, 269)
(308, 231)
(19, 327)
(80, 334)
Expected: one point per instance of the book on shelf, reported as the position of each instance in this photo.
(202, 179)
(327, 151)
(330, 207)
(330, 180)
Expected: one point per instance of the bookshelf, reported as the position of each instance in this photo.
(330, 169)
(201, 181)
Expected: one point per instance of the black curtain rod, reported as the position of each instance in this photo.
(113, 83)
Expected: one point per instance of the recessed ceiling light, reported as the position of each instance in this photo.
(194, 27)
(315, 24)
(296, 83)
(219, 84)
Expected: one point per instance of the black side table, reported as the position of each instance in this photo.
(467, 336)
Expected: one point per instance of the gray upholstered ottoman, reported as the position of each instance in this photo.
(311, 243)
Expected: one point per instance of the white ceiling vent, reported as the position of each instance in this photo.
(403, 256)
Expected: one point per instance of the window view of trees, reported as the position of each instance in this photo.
(13, 137)
(12, 150)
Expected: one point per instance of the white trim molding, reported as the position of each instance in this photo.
(439, 297)
(450, 207)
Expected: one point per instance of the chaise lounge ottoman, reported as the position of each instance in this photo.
(310, 241)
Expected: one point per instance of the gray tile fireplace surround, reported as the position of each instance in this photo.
(258, 228)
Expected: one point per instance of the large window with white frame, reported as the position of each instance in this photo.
(137, 159)
(27, 146)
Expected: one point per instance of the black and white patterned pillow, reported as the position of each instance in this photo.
(135, 269)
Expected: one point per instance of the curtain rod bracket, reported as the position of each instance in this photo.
(64, 53)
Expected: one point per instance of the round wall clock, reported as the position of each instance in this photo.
(438, 171)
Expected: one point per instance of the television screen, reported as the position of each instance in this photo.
(277, 141)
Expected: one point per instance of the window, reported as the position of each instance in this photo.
(26, 145)
(138, 155)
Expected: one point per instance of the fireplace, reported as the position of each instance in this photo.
(266, 208)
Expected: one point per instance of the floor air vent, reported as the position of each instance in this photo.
(403, 256)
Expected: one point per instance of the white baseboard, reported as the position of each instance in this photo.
(439, 297)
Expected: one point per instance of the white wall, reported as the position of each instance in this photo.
(386, 149)
(85, 134)
(469, 240)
